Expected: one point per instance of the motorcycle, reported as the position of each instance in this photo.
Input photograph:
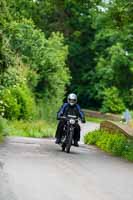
(67, 138)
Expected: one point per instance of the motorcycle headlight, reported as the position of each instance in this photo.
(72, 121)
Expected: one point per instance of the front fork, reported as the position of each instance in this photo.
(69, 131)
(65, 135)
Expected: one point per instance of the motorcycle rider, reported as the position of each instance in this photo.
(69, 108)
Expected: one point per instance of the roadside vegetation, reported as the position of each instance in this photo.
(94, 119)
(39, 129)
(50, 48)
(114, 143)
(33, 128)
(2, 128)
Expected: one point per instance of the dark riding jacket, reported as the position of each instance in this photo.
(67, 109)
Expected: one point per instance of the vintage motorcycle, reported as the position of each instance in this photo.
(68, 133)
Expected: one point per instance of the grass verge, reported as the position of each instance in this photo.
(93, 119)
(114, 143)
(2, 128)
(38, 128)
(1, 138)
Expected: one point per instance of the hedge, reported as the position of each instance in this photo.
(114, 143)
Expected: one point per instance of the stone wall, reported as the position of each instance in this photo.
(106, 116)
(114, 127)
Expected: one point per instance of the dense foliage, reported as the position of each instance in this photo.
(99, 36)
(33, 70)
(45, 42)
(113, 45)
(115, 143)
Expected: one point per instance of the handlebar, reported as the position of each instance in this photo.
(69, 117)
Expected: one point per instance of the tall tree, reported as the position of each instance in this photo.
(74, 19)
(113, 47)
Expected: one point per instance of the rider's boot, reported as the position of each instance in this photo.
(58, 141)
(76, 144)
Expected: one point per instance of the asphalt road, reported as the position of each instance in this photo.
(36, 169)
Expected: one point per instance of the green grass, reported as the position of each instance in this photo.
(37, 129)
(114, 143)
(93, 119)
(1, 138)
(3, 124)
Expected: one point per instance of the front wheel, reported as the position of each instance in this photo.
(63, 146)
(69, 142)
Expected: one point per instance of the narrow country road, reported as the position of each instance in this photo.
(36, 169)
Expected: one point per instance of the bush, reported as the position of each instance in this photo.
(26, 102)
(17, 103)
(114, 143)
(128, 152)
(92, 138)
(119, 143)
(112, 102)
(9, 106)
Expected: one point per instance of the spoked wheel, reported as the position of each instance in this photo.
(69, 142)
(63, 146)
